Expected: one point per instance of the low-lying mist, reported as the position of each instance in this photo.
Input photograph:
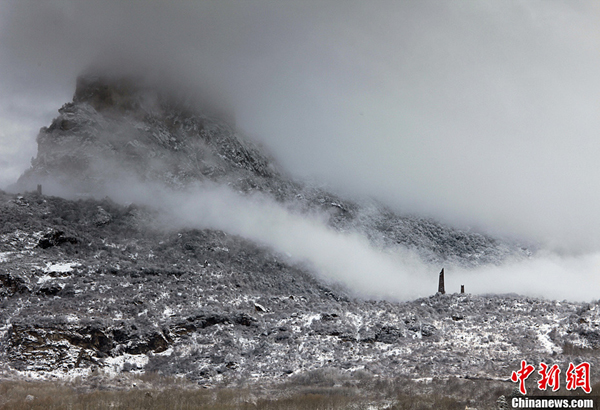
(348, 258)
(345, 258)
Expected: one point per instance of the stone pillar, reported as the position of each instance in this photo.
(462, 288)
(39, 189)
(441, 288)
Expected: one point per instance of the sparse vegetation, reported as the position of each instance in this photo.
(90, 286)
(155, 392)
(569, 349)
(184, 302)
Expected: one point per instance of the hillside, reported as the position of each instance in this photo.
(88, 283)
(119, 134)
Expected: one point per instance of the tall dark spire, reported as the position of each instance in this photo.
(441, 288)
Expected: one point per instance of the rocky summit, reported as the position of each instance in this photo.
(117, 133)
(120, 127)
(91, 284)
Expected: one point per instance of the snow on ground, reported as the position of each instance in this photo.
(168, 312)
(544, 339)
(134, 361)
(4, 256)
(44, 279)
(62, 267)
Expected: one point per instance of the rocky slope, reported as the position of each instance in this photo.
(92, 284)
(122, 131)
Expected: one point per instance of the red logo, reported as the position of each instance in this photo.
(550, 378)
(577, 376)
(522, 375)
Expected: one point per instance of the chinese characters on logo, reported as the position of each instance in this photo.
(577, 376)
(549, 377)
(522, 375)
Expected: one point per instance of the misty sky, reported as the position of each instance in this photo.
(481, 113)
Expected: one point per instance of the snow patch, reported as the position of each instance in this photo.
(44, 279)
(72, 318)
(63, 267)
(545, 341)
(4, 256)
(114, 365)
(308, 319)
(168, 312)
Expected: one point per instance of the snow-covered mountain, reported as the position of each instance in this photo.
(120, 132)
(89, 283)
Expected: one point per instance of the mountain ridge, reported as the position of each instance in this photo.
(121, 130)
(90, 283)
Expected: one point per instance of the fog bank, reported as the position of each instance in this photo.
(478, 113)
(347, 258)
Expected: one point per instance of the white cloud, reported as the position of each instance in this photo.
(481, 113)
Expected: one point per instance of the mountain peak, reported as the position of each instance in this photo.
(103, 92)
(124, 126)
(125, 93)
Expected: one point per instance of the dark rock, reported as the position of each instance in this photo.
(55, 238)
(155, 342)
(428, 330)
(68, 291)
(12, 284)
(244, 320)
(51, 289)
(102, 217)
(388, 334)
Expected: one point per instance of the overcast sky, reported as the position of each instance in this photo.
(481, 113)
